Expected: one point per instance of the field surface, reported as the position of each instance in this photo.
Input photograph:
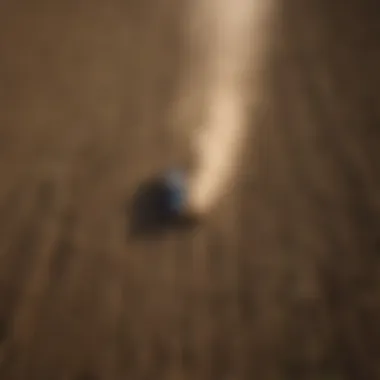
(282, 280)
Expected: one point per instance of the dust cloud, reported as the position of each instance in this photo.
(229, 39)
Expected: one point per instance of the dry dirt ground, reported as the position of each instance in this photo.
(280, 283)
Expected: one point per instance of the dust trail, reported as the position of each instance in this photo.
(228, 37)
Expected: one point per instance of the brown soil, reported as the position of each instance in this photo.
(281, 282)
